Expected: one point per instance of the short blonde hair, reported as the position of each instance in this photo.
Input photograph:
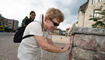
(54, 13)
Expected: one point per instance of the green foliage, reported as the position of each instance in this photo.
(99, 22)
(23, 21)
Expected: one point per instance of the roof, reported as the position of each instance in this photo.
(83, 7)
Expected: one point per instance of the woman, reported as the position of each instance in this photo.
(29, 47)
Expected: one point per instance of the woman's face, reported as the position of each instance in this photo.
(52, 24)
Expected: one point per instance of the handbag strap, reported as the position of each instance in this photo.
(32, 35)
(27, 36)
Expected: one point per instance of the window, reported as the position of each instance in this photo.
(96, 13)
(100, 0)
(96, 1)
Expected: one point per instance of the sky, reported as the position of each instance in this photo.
(18, 9)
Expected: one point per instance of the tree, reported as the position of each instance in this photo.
(99, 21)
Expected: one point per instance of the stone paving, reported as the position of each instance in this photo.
(8, 49)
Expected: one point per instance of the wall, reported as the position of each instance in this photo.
(88, 44)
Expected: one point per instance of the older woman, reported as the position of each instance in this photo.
(29, 47)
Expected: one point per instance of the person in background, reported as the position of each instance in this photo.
(27, 20)
(29, 47)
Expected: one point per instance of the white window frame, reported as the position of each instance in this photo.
(100, 0)
(96, 1)
(96, 13)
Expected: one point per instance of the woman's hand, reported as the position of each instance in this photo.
(67, 47)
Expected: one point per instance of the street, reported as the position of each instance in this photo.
(8, 49)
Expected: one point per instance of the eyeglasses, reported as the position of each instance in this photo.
(54, 23)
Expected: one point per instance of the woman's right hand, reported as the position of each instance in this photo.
(67, 47)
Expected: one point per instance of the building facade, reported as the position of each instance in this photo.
(9, 23)
(88, 10)
(12, 24)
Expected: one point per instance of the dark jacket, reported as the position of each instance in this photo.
(27, 21)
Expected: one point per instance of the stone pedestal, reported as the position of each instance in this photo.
(88, 44)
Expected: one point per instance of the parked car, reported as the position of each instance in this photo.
(7, 29)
